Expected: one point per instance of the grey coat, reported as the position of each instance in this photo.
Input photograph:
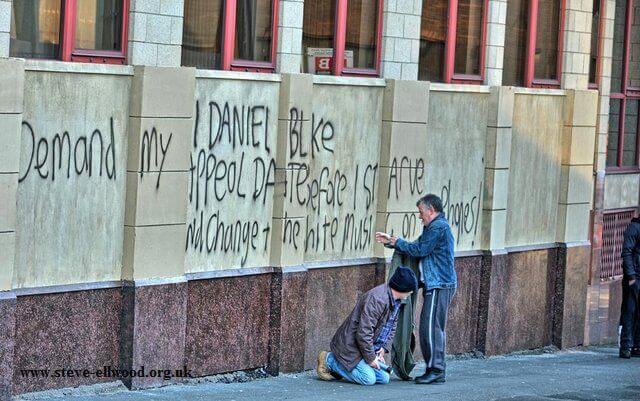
(354, 339)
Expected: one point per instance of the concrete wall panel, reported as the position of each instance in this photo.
(232, 174)
(455, 160)
(71, 193)
(535, 170)
(343, 142)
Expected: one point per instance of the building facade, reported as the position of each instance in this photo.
(198, 183)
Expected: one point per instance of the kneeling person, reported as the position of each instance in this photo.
(359, 345)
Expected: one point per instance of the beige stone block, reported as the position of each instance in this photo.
(496, 189)
(578, 145)
(153, 252)
(154, 198)
(501, 101)
(296, 97)
(406, 101)
(167, 143)
(400, 188)
(10, 136)
(581, 108)
(493, 230)
(11, 85)
(287, 242)
(7, 253)
(576, 185)
(163, 92)
(8, 189)
(290, 192)
(498, 148)
(573, 222)
(402, 140)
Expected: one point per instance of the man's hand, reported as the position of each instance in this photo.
(385, 238)
(632, 282)
(374, 364)
(381, 355)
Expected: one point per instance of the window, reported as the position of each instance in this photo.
(70, 30)
(452, 49)
(534, 35)
(230, 34)
(623, 145)
(350, 29)
(597, 21)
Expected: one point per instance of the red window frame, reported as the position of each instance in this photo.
(340, 39)
(450, 76)
(601, 19)
(229, 62)
(626, 93)
(532, 30)
(68, 35)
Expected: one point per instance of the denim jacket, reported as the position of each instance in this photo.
(434, 248)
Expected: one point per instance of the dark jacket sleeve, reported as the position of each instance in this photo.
(631, 235)
(424, 245)
(366, 327)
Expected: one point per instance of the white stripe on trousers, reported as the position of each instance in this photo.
(433, 303)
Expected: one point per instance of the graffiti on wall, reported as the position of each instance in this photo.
(462, 211)
(231, 163)
(66, 155)
(338, 201)
(153, 145)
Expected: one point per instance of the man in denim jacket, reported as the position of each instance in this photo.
(435, 250)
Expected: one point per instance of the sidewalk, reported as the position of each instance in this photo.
(589, 374)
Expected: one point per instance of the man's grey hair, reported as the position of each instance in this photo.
(431, 200)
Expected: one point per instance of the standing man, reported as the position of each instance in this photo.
(630, 315)
(360, 343)
(434, 248)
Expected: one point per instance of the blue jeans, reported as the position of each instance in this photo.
(361, 374)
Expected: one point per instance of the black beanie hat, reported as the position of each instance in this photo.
(403, 280)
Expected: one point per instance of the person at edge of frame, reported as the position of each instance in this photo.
(435, 250)
(359, 345)
(630, 313)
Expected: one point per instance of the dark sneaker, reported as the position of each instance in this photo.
(635, 352)
(625, 353)
(432, 377)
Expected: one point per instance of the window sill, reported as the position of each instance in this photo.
(77, 68)
(621, 170)
(347, 81)
(466, 88)
(238, 75)
(538, 91)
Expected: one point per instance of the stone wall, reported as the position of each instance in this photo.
(246, 204)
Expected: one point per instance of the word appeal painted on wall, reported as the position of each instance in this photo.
(337, 191)
(66, 155)
(232, 178)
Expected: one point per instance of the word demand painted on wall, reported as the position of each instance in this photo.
(64, 155)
